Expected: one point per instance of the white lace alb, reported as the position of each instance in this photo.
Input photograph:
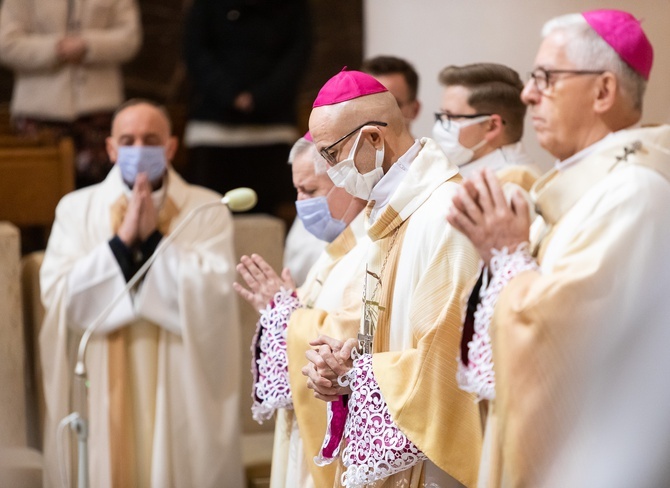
(269, 363)
(375, 447)
(478, 376)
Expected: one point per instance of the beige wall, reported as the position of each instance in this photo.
(435, 33)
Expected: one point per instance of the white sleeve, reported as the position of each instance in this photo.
(92, 283)
(120, 40)
(191, 281)
(158, 299)
(20, 47)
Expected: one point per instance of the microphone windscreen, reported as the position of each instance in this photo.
(240, 199)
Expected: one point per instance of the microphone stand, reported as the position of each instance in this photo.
(79, 420)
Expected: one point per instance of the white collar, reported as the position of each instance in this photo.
(389, 183)
(575, 158)
(508, 155)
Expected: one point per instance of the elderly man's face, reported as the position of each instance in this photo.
(342, 206)
(562, 115)
(306, 183)
(327, 127)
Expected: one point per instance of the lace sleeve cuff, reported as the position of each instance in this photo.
(478, 375)
(375, 446)
(269, 364)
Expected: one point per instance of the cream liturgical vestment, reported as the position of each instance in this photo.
(511, 159)
(515, 170)
(580, 343)
(164, 366)
(408, 424)
(327, 303)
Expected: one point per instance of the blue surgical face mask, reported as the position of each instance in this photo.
(315, 216)
(141, 159)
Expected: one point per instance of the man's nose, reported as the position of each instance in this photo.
(530, 94)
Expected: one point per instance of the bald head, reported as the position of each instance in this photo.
(141, 123)
(328, 123)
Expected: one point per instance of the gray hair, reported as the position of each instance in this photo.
(302, 146)
(587, 50)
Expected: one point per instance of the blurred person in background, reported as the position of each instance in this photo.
(66, 57)
(401, 79)
(164, 365)
(480, 121)
(245, 60)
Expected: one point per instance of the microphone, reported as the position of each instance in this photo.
(237, 200)
(240, 199)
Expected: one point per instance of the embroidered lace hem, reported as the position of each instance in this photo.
(478, 376)
(330, 448)
(269, 364)
(375, 446)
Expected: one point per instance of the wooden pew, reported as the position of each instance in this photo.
(34, 175)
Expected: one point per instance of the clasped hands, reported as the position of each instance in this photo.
(481, 212)
(330, 359)
(71, 49)
(141, 217)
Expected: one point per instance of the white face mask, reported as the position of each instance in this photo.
(448, 140)
(345, 174)
(141, 159)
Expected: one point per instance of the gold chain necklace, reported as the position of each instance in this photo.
(371, 308)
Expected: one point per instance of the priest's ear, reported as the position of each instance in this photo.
(606, 88)
(171, 148)
(495, 130)
(112, 149)
(374, 135)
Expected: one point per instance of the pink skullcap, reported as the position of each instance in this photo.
(347, 85)
(308, 137)
(623, 32)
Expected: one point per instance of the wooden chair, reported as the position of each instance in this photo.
(33, 178)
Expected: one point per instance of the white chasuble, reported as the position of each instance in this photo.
(424, 266)
(331, 305)
(580, 345)
(175, 339)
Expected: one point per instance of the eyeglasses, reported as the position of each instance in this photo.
(542, 78)
(330, 158)
(445, 118)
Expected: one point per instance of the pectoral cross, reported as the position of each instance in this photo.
(371, 309)
(628, 150)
